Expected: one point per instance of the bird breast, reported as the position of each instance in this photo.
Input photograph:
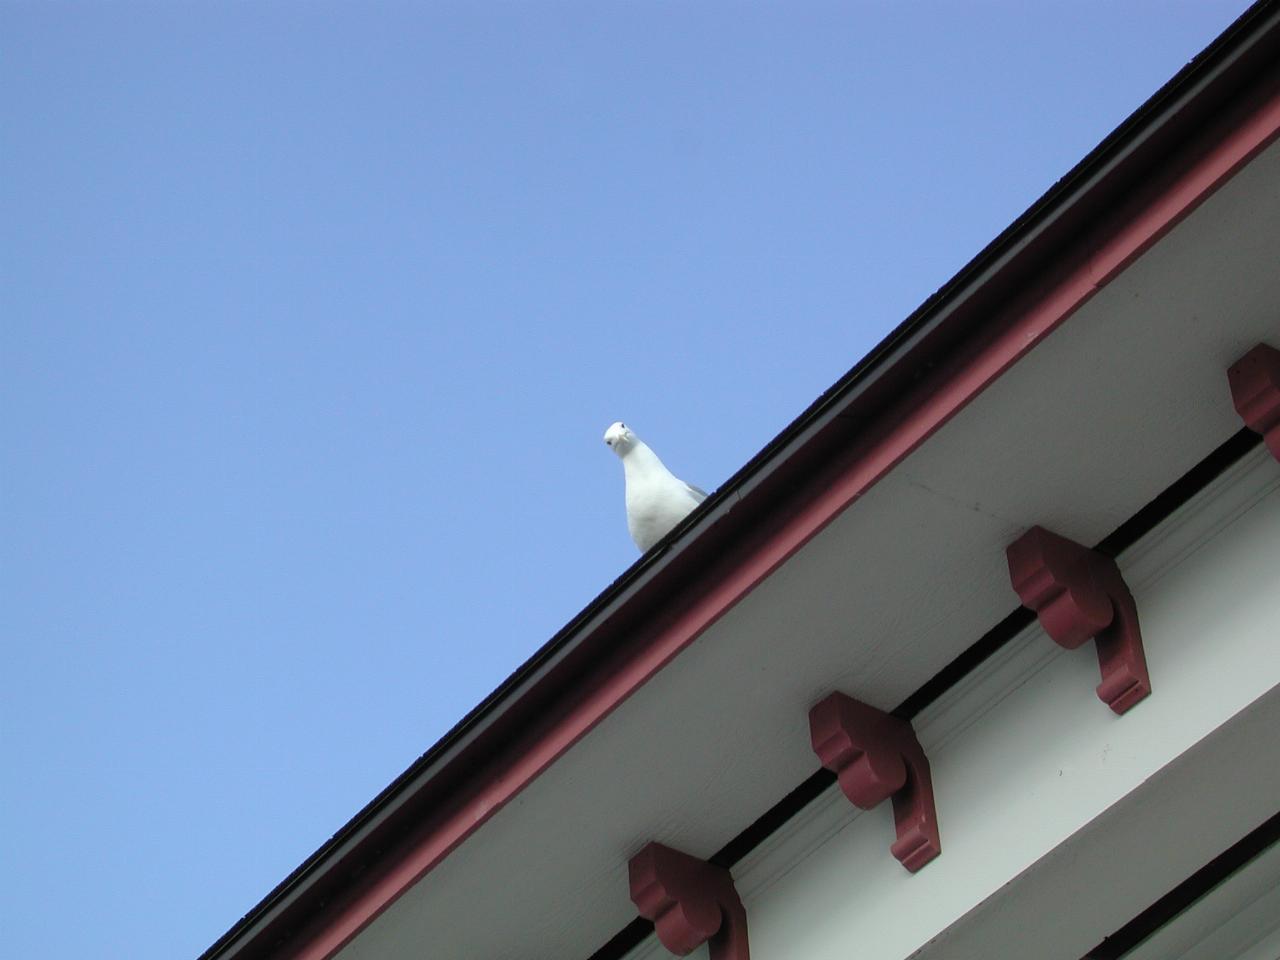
(654, 508)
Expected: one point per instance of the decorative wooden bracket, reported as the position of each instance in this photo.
(1255, 390)
(690, 903)
(1078, 593)
(874, 756)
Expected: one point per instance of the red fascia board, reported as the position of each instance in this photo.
(1160, 182)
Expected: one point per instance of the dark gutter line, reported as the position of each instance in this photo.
(1159, 509)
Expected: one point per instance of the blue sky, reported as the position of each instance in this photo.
(314, 315)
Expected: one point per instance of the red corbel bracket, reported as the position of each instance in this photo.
(874, 756)
(690, 903)
(1078, 593)
(1255, 391)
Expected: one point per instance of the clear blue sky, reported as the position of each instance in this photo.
(314, 315)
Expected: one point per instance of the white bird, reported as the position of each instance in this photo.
(657, 500)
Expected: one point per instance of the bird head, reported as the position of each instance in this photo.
(619, 438)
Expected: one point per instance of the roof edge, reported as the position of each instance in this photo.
(1135, 186)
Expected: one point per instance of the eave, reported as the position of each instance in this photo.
(1139, 184)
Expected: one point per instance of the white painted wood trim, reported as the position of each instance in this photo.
(1199, 561)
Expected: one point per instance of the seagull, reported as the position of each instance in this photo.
(656, 499)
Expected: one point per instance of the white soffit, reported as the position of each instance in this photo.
(1096, 793)
(1061, 821)
(1119, 402)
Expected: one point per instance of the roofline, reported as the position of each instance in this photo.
(1157, 167)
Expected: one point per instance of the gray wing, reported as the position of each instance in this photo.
(698, 492)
